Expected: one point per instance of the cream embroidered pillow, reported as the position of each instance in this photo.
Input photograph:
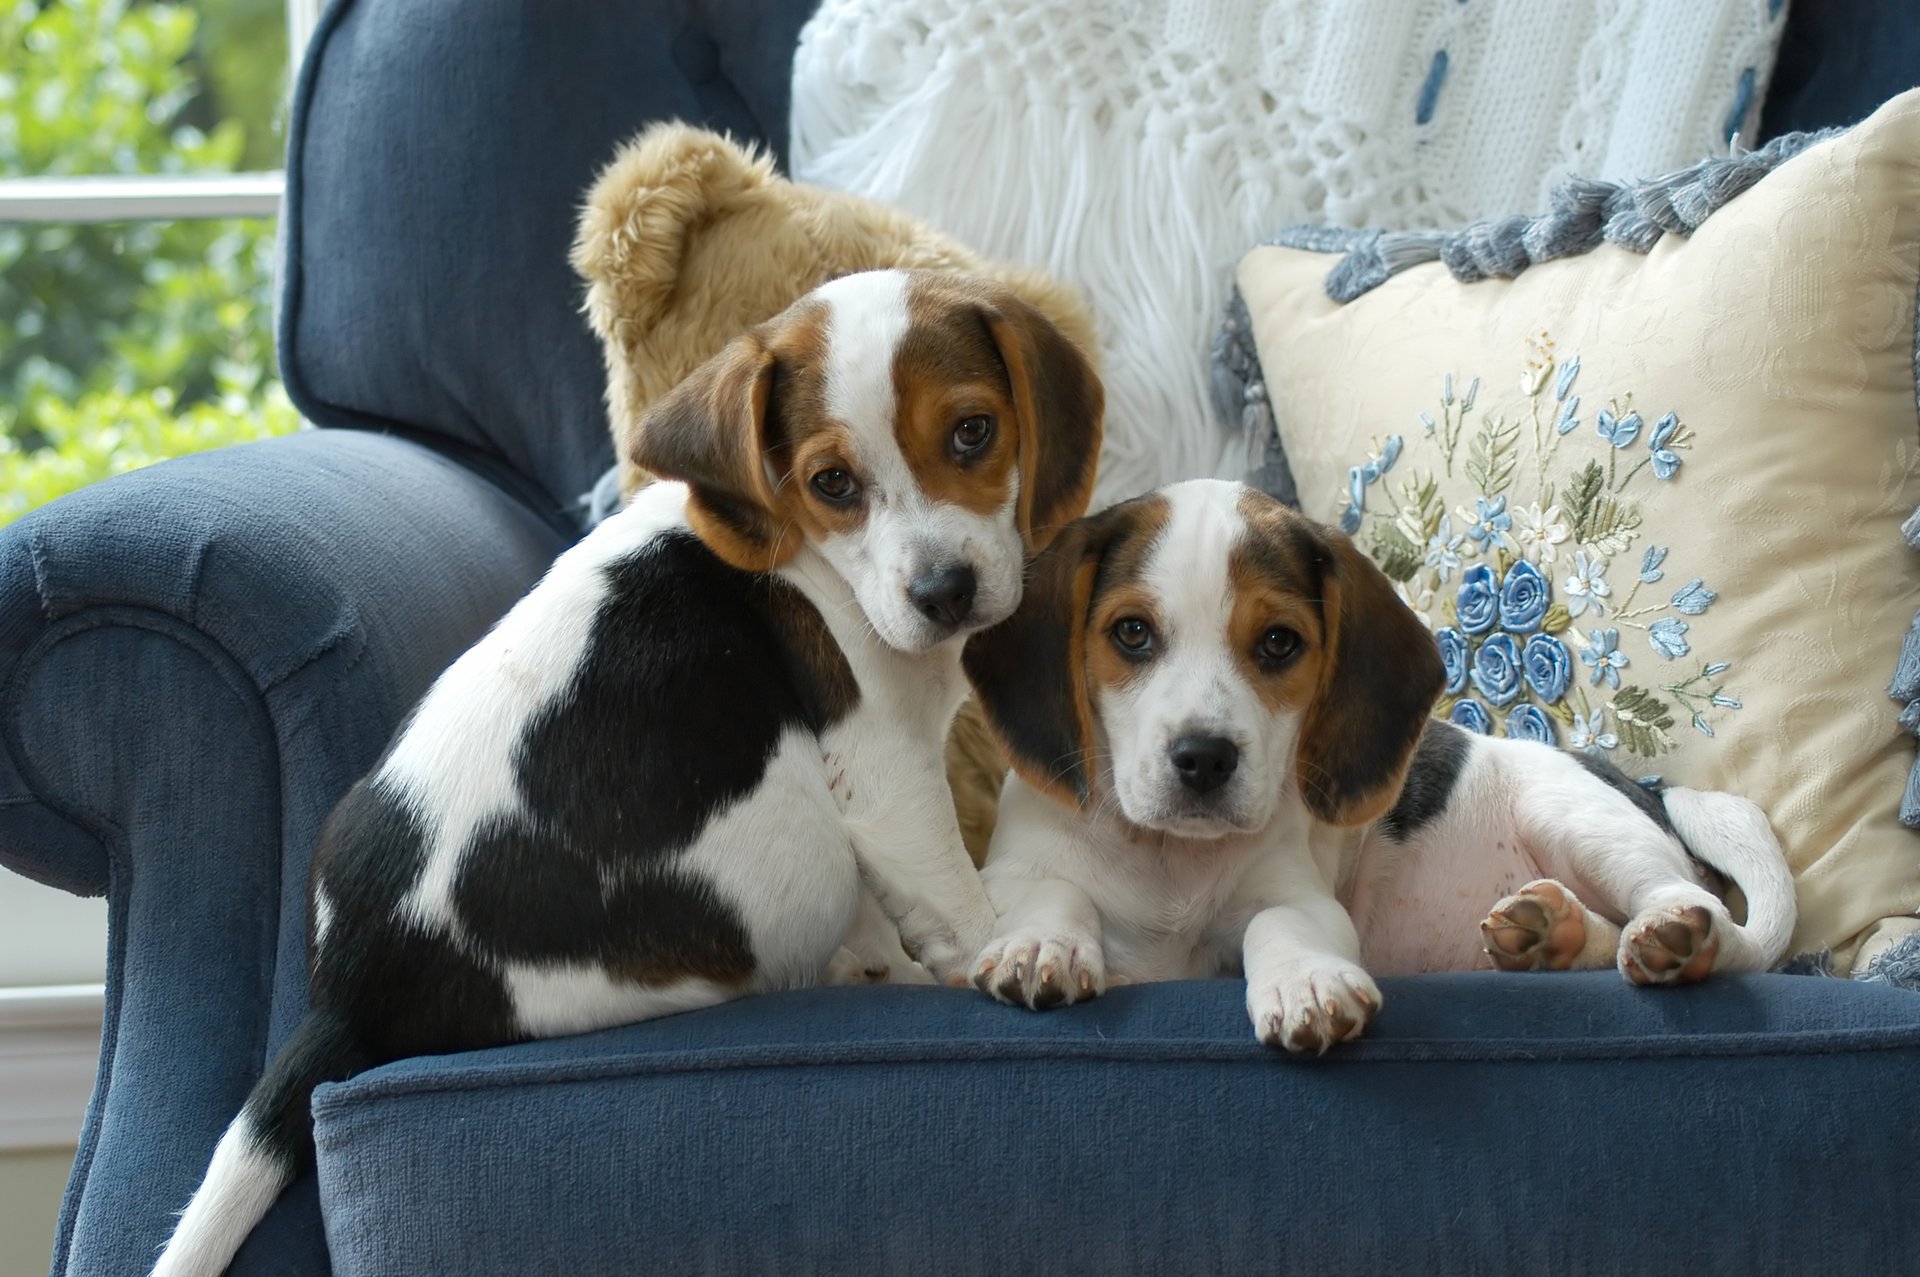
(1650, 504)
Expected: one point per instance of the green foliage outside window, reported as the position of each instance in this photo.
(125, 343)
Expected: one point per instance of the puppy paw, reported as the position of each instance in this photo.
(1313, 1005)
(1038, 972)
(1541, 927)
(847, 967)
(946, 949)
(1673, 945)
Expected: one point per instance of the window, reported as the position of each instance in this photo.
(139, 156)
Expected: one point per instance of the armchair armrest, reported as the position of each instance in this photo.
(198, 659)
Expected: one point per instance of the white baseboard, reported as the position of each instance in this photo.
(49, 1052)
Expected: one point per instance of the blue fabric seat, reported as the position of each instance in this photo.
(199, 658)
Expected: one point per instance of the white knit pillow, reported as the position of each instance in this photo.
(1135, 149)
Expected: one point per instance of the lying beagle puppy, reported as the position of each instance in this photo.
(1211, 705)
(665, 777)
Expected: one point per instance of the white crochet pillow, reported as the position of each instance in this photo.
(1135, 149)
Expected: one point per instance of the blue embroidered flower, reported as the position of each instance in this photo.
(1569, 416)
(1589, 732)
(1473, 392)
(1453, 656)
(1446, 390)
(1524, 596)
(1693, 598)
(1488, 527)
(1426, 422)
(1620, 432)
(1665, 460)
(1718, 667)
(1650, 564)
(1587, 588)
(1549, 666)
(1527, 722)
(1472, 715)
(1477, 605)
(1669, 637)
(1496, 669)
(1443, 549)
(1378, 466)
(1356, 500)
(1605, 656)
(1564, 383)
(1723, 702)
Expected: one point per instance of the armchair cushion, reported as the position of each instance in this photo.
(1487, 1124)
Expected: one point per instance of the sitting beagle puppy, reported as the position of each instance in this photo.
(667, 776)
(1211, 705)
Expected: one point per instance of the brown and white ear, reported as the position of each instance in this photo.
(1062, 407)
(1380, 676)
(1029, 670)
(714, 432)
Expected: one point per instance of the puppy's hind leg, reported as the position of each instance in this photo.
(1597, 831)
(872, 953)
(1545, 927)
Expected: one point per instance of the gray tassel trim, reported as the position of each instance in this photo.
(1240, 401)
(1581, 213)
(1905, 687)
(1899, 966)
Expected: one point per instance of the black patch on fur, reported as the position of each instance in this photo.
(278, 1110)
(1646, 798)
(693, 673)
(1437, 763)
(396, 989)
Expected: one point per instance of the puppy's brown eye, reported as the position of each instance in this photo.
(972, 436)
(1133, 635)
(1277, 645)
(837, 486)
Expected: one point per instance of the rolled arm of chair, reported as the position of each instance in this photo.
(197, 659)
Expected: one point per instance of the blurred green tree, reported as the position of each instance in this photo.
(124, 343)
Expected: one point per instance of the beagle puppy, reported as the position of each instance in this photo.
(1217, 716)
(668, 775)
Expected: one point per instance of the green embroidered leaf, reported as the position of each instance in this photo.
(1611, 526)
(1493, 454)
(1444, 706)
(1644, 719)
(1421, 508)
(1398, 557)
(1581, 495)
(1546, 496)
(1502, 560)
(1562, 711)
(1556, 620)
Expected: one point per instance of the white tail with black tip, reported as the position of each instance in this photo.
(260, 1153)
(1731, 834)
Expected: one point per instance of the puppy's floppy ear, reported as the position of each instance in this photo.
(1380, 675)
(1028, 671)
(1061, 405)
(715, 432)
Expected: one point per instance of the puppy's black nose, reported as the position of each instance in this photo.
(944, 594)
(1204, 762)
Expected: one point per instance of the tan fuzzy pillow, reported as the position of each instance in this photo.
(1650, 503)
(687, 238)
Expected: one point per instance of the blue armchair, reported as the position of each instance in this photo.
(200, 657)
